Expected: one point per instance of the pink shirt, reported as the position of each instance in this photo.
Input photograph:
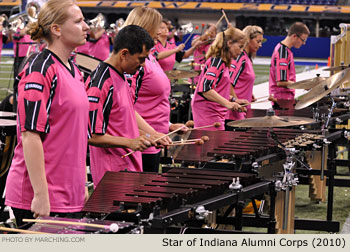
(167, 63)
(111, 112)
(84, 48)
(282, 69)
(172, 40)
(151, 89)
(100, 48)
(52, 101)
(216, 76)
(22, 48)
(199, 57)
(243, 79)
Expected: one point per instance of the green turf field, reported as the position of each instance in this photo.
(304, 207)
(262, 72)
(6, 79)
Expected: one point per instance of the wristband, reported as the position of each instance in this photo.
(233, 99)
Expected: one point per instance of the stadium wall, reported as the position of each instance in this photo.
(317, 48)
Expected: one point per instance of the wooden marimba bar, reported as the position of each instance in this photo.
(159, 193)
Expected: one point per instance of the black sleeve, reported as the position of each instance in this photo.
(240, 71)
(4, 39)
(6, 105)
(179, 56)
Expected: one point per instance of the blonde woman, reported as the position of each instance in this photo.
(48, 171)
(244, 76)
(150, 86)
(212, 96)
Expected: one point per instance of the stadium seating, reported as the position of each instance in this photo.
(303, 2)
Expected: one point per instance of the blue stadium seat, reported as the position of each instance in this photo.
(305, 2)
(331, 2)
(284, 2)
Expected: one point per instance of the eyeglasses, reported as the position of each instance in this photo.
(303, 40)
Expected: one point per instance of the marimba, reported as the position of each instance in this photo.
(165, 191)
(238, 150)
(60, 225)
(254, 150)
(172, 197)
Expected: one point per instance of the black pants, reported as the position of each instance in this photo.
(228, 128)
(16, 66)
(21, 214)
(150, 162)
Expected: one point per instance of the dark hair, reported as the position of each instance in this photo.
(133, 38)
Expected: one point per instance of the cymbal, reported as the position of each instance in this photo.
(337, 68)
(271, 121)
(179, 74)
(192, 64)
(323, 88)
(183, 82)
(306, 84)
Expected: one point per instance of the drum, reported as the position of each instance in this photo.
(86, 63)
(7, 145)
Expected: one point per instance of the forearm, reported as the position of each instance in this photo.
(213, 96)
(35, 162)
(284, 83)
(233, 93)
(143, 125)
(97, 34)
(165, 54)
(189, 52)
(194, 41)
(109, 141)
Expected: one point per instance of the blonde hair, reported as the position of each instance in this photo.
(52, 12)
(147, 18)
(219, 47)
(252, 31)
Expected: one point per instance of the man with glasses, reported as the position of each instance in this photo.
(282, 68)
